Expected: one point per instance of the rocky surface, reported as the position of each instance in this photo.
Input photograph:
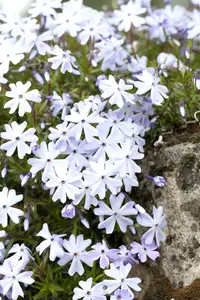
(179, 162)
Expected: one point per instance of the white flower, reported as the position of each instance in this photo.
(7, 199)
(101, 252)
(85, 193)
(66, 181)
(116, 92)
(67, 21)
(83, 118)
(12, 277)
(120, 279)
(124, 157)
(94, 28)
(47, 160)
(20, 97)
(60, 135)
(157, 223)
(63, 59)
(89, 292)
(2, 246)
(39, 42)
(76, 247)
(112, 53)
(99, 177)
(60, 103)
(17, 138)
(20, 252)
(9, 53)
(44, 7)
(54, 241)
(129, 15)
(148, 82)
(116, 214)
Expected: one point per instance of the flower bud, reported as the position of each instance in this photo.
(68, 211)
(157, 180)
(85, 223)
(182, 109)
(47, 76)
(38, 77)
(25, 178)
(4, 171)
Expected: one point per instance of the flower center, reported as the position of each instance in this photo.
(48, 160)
(63, 182)
(21, 96)
(75, 254)
(17, 138)
(88, 293)
(64, 133)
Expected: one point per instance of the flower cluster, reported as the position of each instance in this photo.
(73, 134)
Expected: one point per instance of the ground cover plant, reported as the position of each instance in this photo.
(83, 92)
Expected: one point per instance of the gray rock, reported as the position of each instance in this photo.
(180, 254)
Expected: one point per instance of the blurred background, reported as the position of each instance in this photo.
(14, 6)
(98, 3)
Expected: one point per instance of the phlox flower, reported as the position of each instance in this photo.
(157, 224)
(60, 135)
(129, 15)
(147, 83)
(116, 92)
(143, 250)
(88, 291)
(20, 97)
(112, 53)
(44, 7)
(122, 295)
(85, 193)
(46, 160)
(102, 146)
(101, 251)
(83, 120)
(38, 41)
(99, 177)
(76, 252)
(93, 28)
(67, 21)
(59, 103)
(126, 256)
(2, 246)
(64, 59)
(114, 121)
(124, 157)
(116, 214)
(17, 139)
(77, 154)
(7, 199)
(19, 252)
(54, 241)
(66, 181)
(10, 52)
(12, 275)
(120, 279)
